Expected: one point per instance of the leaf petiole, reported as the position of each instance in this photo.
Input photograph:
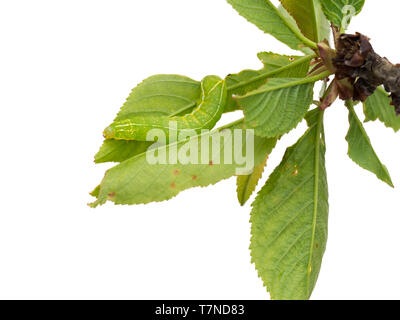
(293, 83)
(272, 73)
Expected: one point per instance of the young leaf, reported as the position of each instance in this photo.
(270, 20)
(378, 106)
(137, 181)
(275, 66)
(247, 184)
(277, 107)
(309, 17)
(289, 220)
(361, 150)
(338, 10)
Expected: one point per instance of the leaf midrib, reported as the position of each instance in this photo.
(316, 197)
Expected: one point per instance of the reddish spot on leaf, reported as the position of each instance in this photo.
(111, 195)
(176, 172)
(173, 185)
(194, 177)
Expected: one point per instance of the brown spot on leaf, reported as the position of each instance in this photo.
(317, 245)
(296, 170)
(111, 195)
(173, 185)
(291, 59)
(211, 163)
(194, 177)
(176, 172)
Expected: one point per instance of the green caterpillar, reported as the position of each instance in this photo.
(205, 116)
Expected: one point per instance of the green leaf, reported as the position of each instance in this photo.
(277, 107)
(291, 22)
(309, 17)
(378, 106)
(231, 104)
(289, 220)
(247, 184)
(275, 66)
(120, 150)
(161, 95)
(270, 20)
(137, 181)
(274, 61)
(361, 150)
(335, 10)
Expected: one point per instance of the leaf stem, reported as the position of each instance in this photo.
(299, 82)
(272, 73)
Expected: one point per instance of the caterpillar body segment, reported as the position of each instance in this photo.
(205, 116)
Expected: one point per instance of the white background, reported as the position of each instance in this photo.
(66, 67)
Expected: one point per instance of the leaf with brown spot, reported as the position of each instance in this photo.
(290, 216)
(139, 182)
